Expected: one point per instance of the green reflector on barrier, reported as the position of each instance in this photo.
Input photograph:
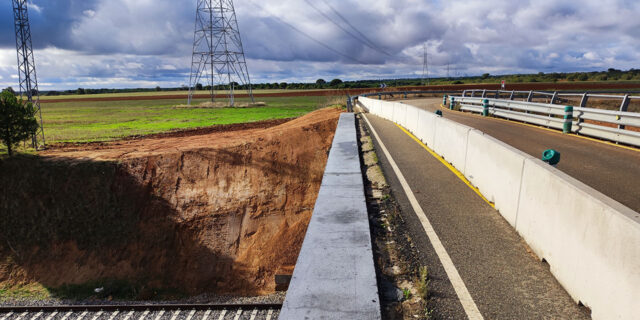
(551, 156)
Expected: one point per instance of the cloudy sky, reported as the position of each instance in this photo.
(144, 43)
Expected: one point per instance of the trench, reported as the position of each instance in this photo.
(190, 215)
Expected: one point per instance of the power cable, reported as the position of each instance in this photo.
(343, 28)
(337, 13)
(326, 46)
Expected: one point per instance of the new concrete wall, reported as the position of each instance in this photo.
(334, 277)
(591, 242)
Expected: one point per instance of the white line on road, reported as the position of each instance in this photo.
(67, 315)
(470, 307)
(114, 315)
(222, 314)
(175, 315)
(22, 315)
(96, 316)
(52, 315)
(160, 314)
(128, 316)
(191, 314)
(254, 314)
(269, 314)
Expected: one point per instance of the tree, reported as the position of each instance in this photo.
(80, 91)
(17, 120)
(485, 76)
(321, 82)
(158, 88)
(198, 86)
(335, 82)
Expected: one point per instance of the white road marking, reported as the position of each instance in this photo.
(51, 315)
(144, 315)
(191, 314)
(114, 315)
(175, 315)
(470, 307)
(253, 314)
(6, 316)
(269, 314)
(206, 315)
(96, 316)
(82, 315)
(238, 314)
(222, 314)
(128, 316)
(38, 316)
(160, 314)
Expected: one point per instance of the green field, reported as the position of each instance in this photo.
(109, 120)
(160, 93)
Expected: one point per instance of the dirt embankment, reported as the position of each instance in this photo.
(217, 212)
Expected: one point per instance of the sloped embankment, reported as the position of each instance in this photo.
(218, 212)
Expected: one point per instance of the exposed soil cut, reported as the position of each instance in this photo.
(215, 212)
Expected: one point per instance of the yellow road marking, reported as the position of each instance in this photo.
(547, 129)
(448, 165)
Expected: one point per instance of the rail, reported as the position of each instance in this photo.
(142, 311)
(598, 123)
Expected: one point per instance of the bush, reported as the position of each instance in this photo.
(17, 120)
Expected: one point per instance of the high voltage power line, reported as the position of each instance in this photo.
(337, 13)
(326, 46)
(366, 42)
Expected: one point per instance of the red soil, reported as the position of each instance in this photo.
(204, 212)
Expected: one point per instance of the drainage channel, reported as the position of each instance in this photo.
(144, 312)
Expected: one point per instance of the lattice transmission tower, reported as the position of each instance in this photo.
(218, 55)
(27, 66)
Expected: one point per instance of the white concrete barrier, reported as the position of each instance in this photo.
(412, 119)
(451, 142)
(591, 242)
(495, 168)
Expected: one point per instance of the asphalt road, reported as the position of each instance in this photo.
(504, 279)
(607, 168)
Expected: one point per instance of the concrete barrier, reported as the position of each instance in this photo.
(412, 119)
(591, 242)
(335, 277)
(495, 168)
(451, 142)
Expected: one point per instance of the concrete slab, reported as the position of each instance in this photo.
(335, 276)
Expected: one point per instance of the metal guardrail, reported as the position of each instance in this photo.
(567, 118)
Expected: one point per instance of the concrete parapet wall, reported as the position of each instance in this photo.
(335, 277)
(591, 242)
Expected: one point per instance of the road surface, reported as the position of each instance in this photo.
(502, 277)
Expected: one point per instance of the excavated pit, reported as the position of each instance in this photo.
(207, 213)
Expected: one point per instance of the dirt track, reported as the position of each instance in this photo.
(512, 86)
(213, 212)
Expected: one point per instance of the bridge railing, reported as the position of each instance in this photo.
(604, 124)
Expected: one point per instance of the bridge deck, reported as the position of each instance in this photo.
(610, 169)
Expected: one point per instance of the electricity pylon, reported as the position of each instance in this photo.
(217, 49)
(27, 66)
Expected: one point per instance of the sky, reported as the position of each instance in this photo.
(148, 43)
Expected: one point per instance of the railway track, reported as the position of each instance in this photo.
(144, 312)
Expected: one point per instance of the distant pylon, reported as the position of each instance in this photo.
(217, 49)
(26, 65)
(425, 64)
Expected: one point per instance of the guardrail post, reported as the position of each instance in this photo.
(453, 103)
(405, 95)
(473, 93)
(484, 93)
(497, 94)
(444, 100)
(464, 93)
(513, 92)
(485, 107)
(583, 102)
(624, 107)
(530, 97)
(379, 96)
(568, 119)
(554, 97)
